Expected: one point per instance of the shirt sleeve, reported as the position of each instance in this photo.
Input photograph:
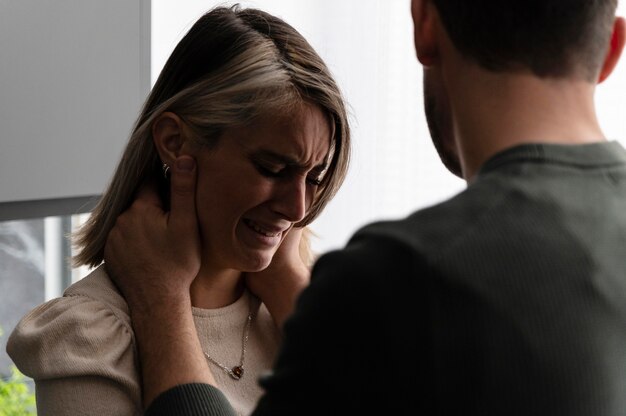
(81, 355)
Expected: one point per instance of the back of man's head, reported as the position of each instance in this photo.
(551, 38)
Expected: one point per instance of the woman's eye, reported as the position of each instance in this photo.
(271, 172)
(284, 171)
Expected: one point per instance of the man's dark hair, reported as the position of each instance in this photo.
(552, 38)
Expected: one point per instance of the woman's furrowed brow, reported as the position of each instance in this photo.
(272, 156)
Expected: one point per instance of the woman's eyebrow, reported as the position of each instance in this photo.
(271, 156)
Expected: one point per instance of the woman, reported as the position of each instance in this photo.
(246, 96)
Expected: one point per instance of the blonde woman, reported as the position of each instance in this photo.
(249, 99)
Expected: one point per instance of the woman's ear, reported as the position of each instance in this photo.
(615, 49)
(425, 31)
(167, 133)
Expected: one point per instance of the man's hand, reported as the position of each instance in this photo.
(280, 284)
(153, 257)
(151, 253)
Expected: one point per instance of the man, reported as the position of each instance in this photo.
(509, 298)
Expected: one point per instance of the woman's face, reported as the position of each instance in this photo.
(255, 184)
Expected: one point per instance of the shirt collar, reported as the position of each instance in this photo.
(609, 153)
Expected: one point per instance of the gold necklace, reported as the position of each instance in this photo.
(236, 372)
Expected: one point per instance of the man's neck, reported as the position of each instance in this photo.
(493, 112)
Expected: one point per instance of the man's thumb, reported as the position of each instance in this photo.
(183, 192)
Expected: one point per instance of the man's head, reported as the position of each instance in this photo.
(548, 39)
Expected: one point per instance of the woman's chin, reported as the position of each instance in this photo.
(256, 263)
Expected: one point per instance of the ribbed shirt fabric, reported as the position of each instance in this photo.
(507, 299)
(80, 349)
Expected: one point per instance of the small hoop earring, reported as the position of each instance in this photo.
(166, 170)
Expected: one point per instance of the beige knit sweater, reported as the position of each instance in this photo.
(80, 350)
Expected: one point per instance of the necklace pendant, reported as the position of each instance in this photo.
(236, 372)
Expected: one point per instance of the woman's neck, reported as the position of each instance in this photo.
(215, 288)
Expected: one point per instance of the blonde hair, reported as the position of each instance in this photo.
(232, 67)
(306, 252)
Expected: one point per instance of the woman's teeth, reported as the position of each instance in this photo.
(260, 230)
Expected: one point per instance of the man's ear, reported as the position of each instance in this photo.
(167, 133)
(425, 20)
(615, 49)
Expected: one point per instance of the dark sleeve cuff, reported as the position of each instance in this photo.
(194, 399)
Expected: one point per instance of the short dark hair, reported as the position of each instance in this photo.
(552, 38)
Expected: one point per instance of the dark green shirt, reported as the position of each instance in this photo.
(508, 299)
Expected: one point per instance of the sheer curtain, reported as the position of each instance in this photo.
(368, 45)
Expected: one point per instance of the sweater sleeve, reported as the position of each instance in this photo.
(192, 399)
(81, 354)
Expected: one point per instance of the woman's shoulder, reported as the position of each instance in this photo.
(98, 287)
(86, 326)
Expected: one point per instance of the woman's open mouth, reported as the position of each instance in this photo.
(264, 231)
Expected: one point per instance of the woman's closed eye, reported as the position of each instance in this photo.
(279, 171)
(270, 171)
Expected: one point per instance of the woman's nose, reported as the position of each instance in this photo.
(290, 200)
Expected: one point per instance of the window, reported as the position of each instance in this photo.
(35, 257)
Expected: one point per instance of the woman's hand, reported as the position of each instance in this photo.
(280, 284)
